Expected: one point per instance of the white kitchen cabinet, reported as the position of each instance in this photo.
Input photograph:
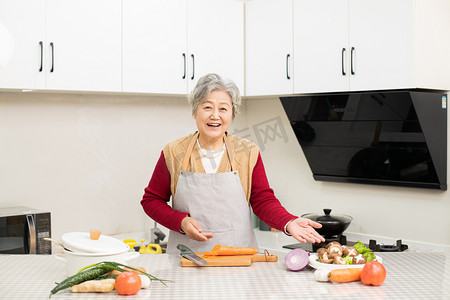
(22, 37)
(169, 45)
(355, 45)
(216, 40)
(86, 39)
(61, 45)
(268, 47)
(154, 46)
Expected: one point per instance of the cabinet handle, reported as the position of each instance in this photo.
(343, 60)
(53, 57)
(193, 66)
(287, 66)
(351, 61)
(41, 44)
(184, 62)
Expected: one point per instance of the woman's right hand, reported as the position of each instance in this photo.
(191, 228)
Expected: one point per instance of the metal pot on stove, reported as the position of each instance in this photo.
(332, 225)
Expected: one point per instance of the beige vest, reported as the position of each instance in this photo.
(244, 153)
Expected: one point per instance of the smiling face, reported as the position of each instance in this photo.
(213, 117)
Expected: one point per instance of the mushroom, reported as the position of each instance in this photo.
(359, 259)
(325, 259)
(344, 247)
(338, 260)
(335, 248)
(321, 251)
(350, 251)
(331, 244)
(333, 255)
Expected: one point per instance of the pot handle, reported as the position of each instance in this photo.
(60, 258)
(131, 255)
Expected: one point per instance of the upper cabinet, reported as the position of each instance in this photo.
(22, 37)
(84, 45)
(61, 45)
(169, 45)
(216, 40)
(355, 45)
(268, 47)
(154, 46)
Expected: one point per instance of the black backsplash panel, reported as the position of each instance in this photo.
(389, 138)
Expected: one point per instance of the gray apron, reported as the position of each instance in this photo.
(218, 204)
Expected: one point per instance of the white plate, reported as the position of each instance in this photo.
(318, 265)
(81, 241)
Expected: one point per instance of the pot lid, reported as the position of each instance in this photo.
(82, 242)
(328, 219)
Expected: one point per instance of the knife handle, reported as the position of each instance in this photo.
(184, 249)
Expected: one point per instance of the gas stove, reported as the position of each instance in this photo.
(310, 247)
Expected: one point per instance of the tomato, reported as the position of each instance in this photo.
(373, 273)
(128, 283)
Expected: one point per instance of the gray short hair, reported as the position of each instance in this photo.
(213, 82)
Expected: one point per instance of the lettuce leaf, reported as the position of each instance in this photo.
(362, 249)
(369, 256)
(348, 260)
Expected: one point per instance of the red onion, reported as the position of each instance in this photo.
(296, 259)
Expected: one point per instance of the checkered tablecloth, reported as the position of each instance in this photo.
(410, 275)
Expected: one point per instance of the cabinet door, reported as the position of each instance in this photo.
(22, 29)
(382, 35)
(86, 37)
(268, 57)
(216, 40)
(321, 46)
(154, 46)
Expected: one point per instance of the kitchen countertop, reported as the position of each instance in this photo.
(410, 275)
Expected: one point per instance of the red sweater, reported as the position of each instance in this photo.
(262, 199)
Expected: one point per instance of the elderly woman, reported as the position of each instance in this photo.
(213, 177)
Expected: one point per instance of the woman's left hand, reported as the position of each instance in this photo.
(302, 229)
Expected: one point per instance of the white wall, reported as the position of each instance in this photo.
(406, 213)
(87, 159)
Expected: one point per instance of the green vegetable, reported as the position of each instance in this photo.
(362, 249)
(369, 256)
(79, 278)
(106, 277)
(348, 260)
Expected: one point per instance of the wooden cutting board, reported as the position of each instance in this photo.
(229, 261)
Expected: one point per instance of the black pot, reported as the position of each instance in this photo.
(332, 225)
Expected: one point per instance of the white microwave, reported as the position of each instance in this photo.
(23, 229)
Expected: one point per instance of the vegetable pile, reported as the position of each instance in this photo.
(105, 276)
(373, 273)
(335, 253)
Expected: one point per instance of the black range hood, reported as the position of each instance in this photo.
(384, 137)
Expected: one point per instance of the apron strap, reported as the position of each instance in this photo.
(229, 150)
(187, 156)
(190, 147)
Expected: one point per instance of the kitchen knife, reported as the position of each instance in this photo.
(189, 254)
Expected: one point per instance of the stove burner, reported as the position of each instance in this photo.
(398, 247)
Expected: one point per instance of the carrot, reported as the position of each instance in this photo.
(345, 275)
(227, 250)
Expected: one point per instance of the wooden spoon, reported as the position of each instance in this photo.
(58, 243)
